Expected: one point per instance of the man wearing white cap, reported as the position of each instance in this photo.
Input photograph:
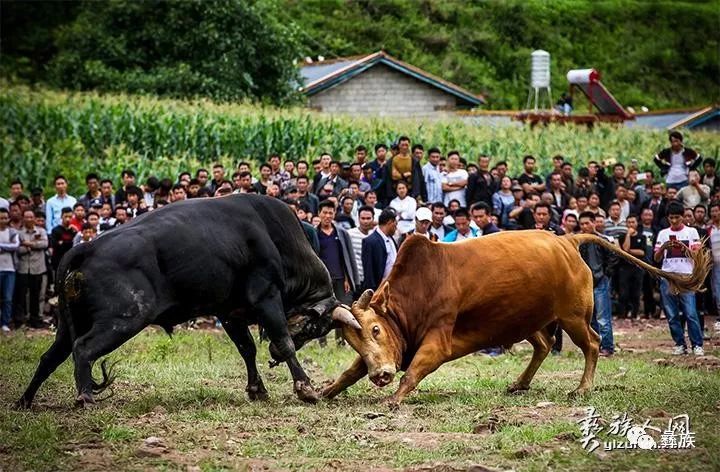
(423, 218)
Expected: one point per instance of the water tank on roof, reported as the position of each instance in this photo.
(583, 76)
(540, 69)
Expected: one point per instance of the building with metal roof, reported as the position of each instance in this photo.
(704, 119)
(379, 84)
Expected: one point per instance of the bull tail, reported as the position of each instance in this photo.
(108, 377)
(694, 282)
(70, 288)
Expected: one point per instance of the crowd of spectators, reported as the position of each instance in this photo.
(357, 214)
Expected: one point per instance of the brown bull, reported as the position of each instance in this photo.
(444, 301)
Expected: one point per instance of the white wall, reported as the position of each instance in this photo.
(383, 91)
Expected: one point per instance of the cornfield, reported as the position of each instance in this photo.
(45, 133)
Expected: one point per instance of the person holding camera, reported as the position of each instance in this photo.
(694, 193)
(671, 249)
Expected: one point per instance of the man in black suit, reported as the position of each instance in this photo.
(658, 204)
(379, 250)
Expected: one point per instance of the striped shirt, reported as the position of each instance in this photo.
(433, 183)
(357, 236)
(614, 230)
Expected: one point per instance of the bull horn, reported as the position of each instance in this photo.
(364, 300)
(342, 314)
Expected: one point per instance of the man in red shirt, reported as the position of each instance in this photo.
(78, 216)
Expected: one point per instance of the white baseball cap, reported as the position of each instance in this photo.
(423, 214)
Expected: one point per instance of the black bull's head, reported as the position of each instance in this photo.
(315, 322)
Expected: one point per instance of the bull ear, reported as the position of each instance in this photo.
(364, 301)
(382, 297)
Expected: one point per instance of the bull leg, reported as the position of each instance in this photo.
(269, 309)
(588, 341)
(99, 341)
(541, 344)
(53, 357)
(355, 372)
(432, 354)
(240, 335)
(301, 382)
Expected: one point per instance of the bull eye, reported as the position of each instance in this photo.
(376, 330)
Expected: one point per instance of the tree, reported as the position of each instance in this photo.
(226, 50)
(657, 53)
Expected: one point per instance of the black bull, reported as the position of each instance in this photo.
(242, 258)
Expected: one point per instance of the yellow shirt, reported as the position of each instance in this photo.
(401, 164)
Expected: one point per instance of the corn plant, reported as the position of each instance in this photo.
(44, 133)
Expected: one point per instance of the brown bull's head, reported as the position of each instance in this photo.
(378, 341)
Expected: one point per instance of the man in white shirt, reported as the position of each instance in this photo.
(670, 249)
(454, 180)
(366, 221)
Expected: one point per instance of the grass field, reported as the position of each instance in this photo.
(188, 391)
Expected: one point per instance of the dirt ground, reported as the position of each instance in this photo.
(180, 406)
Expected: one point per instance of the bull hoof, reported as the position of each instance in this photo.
(22, 404)
(392, 403)
(517, 389)
(328, 393)
(84, 400)
(579, 392)
(257, 392)
(306, 392)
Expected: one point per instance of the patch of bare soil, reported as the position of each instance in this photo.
(447, 468)
(706, 363)
(422, 440)
(543, 412)
(554, 376)
(90, 455)
(645, 335)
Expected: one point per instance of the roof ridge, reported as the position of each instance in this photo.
(334, 60)
(700, 113)
(401, 66)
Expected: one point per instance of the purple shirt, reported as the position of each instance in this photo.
(330, 254)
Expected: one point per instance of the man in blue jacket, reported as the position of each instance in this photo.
(379, 250)
(463, 229)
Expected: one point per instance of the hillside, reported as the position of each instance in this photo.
(661, 54)
(655, 53)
